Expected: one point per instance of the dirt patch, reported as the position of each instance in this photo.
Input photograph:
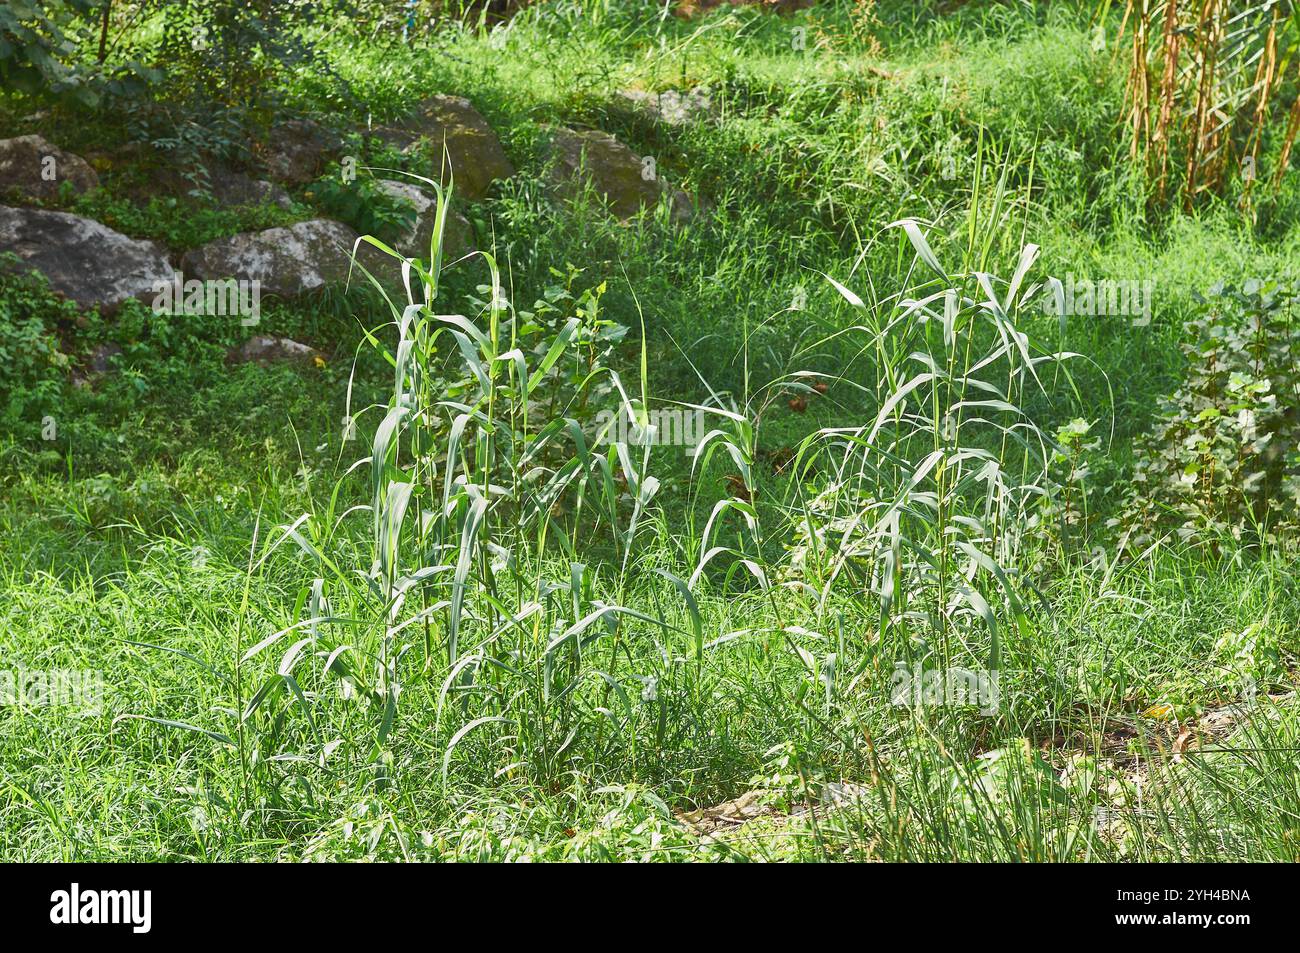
(1168, 738)
(752, 806)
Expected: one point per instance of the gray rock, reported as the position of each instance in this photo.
(101, 359)
(235, 188)
(400, 139)
(627, 182)
(99, 363)
(223, 184)
(83, 259)
(672, 107)
(474, 151)
(457, 236)
(271, 350)
(286, 261)
(37, 168)
(299, 150)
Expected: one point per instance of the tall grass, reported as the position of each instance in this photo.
(508, 533)
(1204, 75)
(503, 632)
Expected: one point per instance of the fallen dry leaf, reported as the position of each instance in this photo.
(779, 459)
(1181, 742)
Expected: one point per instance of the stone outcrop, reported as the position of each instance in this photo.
(263, 349)
(37, 169)
(286, 261)
(457, 234)
(299, 150)
(235, 188)
(84, 260)
(628, 182)
(472, 148)
(671, 107)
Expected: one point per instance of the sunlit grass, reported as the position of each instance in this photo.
(481, 631)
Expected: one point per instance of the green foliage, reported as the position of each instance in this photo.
(35, 365)
(38, 41)
(363, 205)
(462, 623)
(482, 440)
(228, 58)
(1224, 458)
(177, 223)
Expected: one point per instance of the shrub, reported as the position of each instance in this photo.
(36, 368)
(1223, 457)
(37, 42)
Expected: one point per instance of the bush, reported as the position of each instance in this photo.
(37, 42)
(1223, 458)
(35, 366)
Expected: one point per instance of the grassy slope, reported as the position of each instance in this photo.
(141, 531)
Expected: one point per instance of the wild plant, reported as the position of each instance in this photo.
(1203, 79)
(920, 510)
(499, 513)
(1222, 462)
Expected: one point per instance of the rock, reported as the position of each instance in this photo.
(83, 259)
(272, 350)
(477, 159)
(672, 107)
(286, 261)
(293, 260)
(234, 188)
(299, 150)
(750, 806)
(758, 805)
(162, 178)
(37, 168)
(101, 359)
(98, 363)
(400, 139)
(457, 235)
(628, 182)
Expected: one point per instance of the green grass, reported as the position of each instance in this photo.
(550, 656)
